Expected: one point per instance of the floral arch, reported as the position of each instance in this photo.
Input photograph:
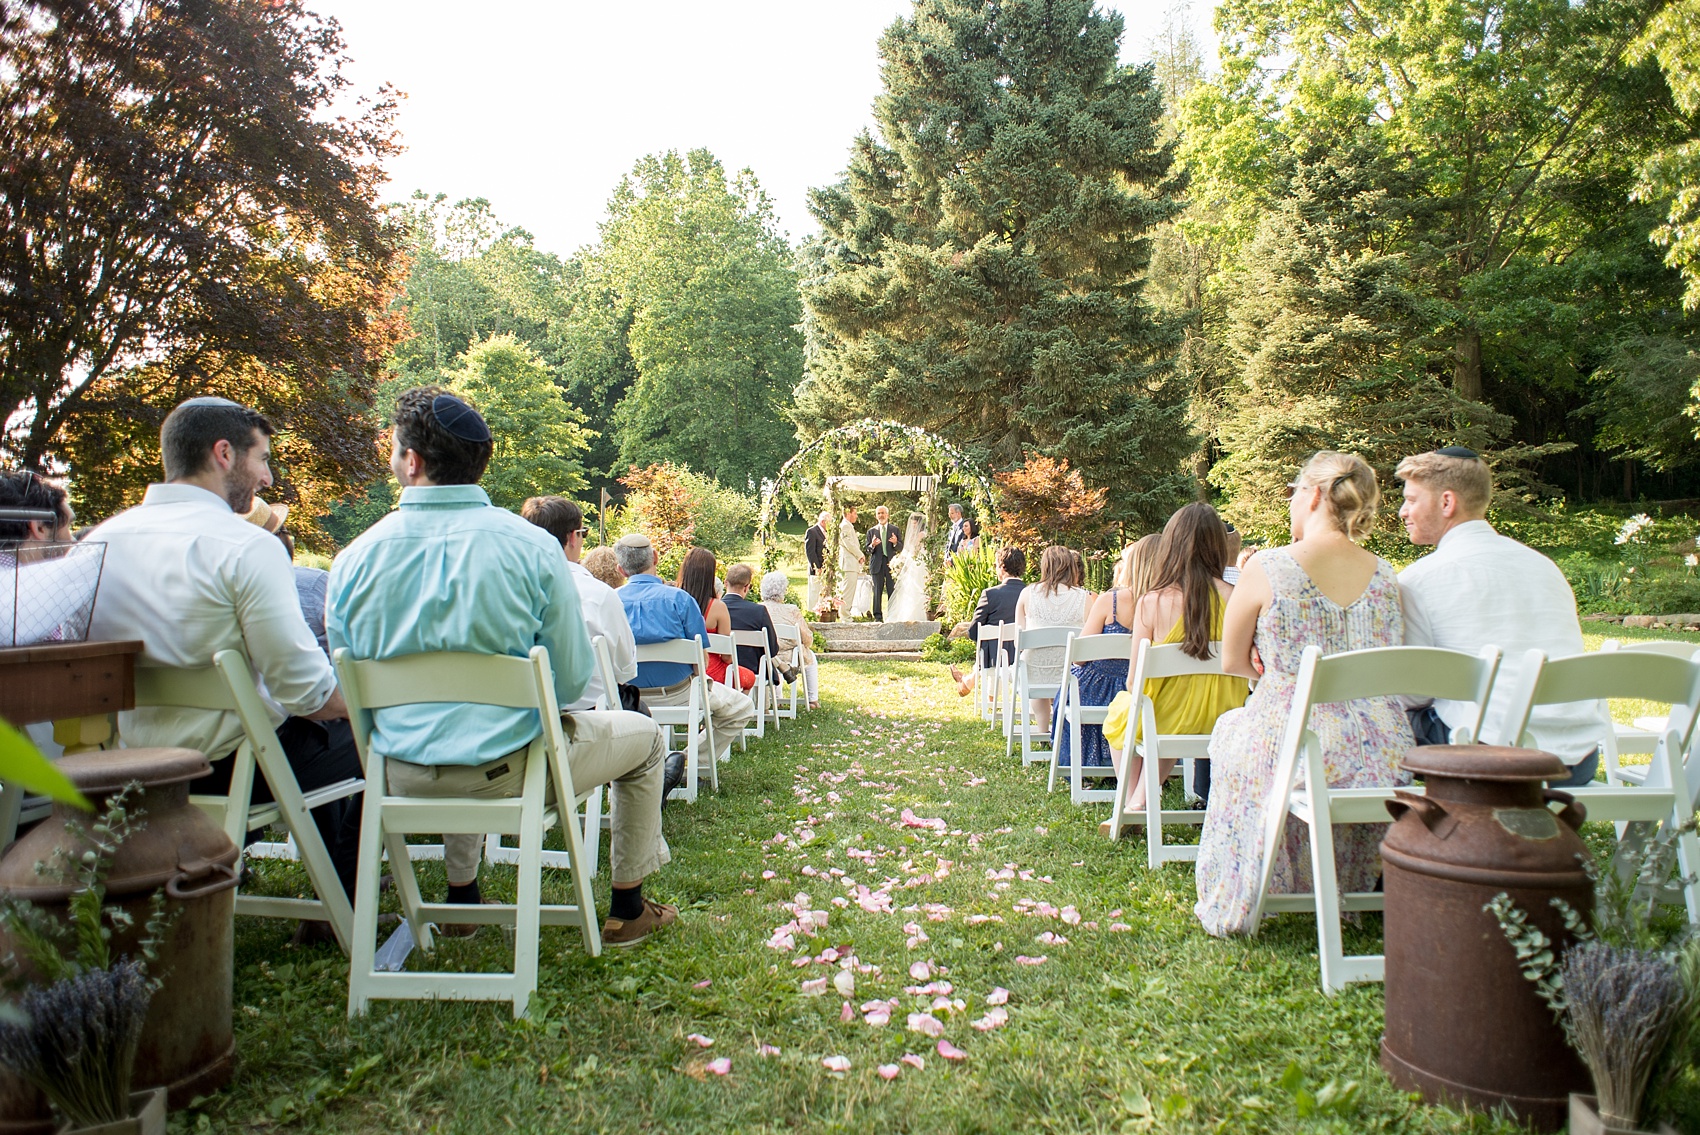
(947, 465)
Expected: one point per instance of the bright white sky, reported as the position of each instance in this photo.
(541, 105)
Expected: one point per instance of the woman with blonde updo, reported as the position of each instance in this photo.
(1321, 590)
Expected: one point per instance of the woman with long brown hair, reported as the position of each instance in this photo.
(696, 579)
(1185, 605)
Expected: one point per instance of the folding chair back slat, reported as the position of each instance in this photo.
(1071, 714)
(477, 679)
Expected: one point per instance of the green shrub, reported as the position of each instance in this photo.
(938, 648)
(964, 579)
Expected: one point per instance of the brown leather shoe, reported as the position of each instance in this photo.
(620, 932)
(463, 929)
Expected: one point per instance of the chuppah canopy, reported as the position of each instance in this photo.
(857, 483)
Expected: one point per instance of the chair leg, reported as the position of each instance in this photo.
(1076, 781)
(407, 887)
(1326, 889)
(1153, 803)
(528, 892)
(1057, 718)
(363, 948)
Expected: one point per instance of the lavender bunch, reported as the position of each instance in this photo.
(77, 1040)
(1623, 1004)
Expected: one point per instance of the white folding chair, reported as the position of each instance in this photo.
(1643, 736)
(1005, 672)
(986, 680)
(1414, 671)
(792, 648)
(1153, 749)
(1665, 794)
(766, 692)
(727, 647)
(478, 679)
(228, 685)
(692, 718)
(593, 820)
(1018, 707)
(1071, 714)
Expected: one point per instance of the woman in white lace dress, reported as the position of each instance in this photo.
(1057, 600)
(909, 600)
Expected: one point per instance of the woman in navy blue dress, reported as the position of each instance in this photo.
(1111, 613)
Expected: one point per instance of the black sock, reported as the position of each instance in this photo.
(465, 893)
(627, 903)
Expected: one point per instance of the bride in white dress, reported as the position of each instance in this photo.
(909, 599)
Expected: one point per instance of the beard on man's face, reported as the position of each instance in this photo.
(239, 490)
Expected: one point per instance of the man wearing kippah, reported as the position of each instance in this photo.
(1478, 588)
(448, 571)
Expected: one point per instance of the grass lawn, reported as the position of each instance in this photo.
(1138, 1022)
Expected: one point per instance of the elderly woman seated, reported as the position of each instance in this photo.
(792, 628)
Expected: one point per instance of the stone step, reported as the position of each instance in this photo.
(873, 645)
(871, 656)
(882, 632)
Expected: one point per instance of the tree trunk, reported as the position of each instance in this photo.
(1467, 365)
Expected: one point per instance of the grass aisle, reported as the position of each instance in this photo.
(891, 824)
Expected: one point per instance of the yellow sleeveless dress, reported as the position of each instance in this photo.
(1188, 704)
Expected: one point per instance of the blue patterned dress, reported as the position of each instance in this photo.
(1100, 682)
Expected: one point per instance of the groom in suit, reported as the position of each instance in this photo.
(884, 544)
(814, 548)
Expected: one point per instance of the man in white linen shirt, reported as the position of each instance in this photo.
(189, 577)
(1478, 588)
(604, 614)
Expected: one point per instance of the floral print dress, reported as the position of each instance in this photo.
(1362, 745)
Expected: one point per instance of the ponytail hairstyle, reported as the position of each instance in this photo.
(1349, 486)
(696, 577)
(1189, 558)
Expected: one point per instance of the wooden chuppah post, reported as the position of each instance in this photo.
(829, 569)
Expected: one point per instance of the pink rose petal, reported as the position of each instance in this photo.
(998, 996)
(921, 971)
(703, 1041)
(1120, 926)
(836, 1063)
(847, 1014)
(926, 1024)
(844, 981)
(766, 1050)
(817, 987)
(997, 1017)
(950, 1052)
(912, 1060)
(720, 1067)
(888, 1071)
(704, 983)
(1024, 960)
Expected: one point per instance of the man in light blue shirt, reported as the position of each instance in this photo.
(660, 612)
(447, 571)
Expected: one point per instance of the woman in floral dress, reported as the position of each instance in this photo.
(1322, 590)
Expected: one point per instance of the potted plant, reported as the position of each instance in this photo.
(1626, 994)
(73, 1028)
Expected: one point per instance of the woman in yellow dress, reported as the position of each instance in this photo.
(1185, 606)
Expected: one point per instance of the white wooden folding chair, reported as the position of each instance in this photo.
(1153, 749)
(1641, 737)
(765, 692)
(228, 685)
(1071, 714)
(1413, 671)
(791, 647)
(1665, 794)
(692, 718)
(1018, 707)
(727, 647)
(478, 679)
(593, 820)
(986, 692)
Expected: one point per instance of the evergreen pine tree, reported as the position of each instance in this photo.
(980, 268)
(1328, 325)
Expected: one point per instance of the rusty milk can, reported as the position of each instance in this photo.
(1463, 1024)
(188, 1042)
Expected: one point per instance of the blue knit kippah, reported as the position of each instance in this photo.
(459, 418)
(1463, 451)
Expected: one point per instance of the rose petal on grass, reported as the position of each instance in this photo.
(836, 1063)
(993, 1019)
(704, 983)
(1051, 939)
(847, 1014)
(702, 1041)
(926, 1024)
(766, 1050)
(921, 971)
(844, 981)
(878, 1018)
(950, 1052)
(912, 1060)
(720, 1067)
(998, 996)
(1120, 926)
(1070, 916)
(768, 874)
(816, 987)
(888, 1071)
(1024, 960)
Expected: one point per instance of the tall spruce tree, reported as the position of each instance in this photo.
(1330, 327)
(980, 267)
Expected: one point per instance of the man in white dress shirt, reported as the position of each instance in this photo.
(1478, 588)
(604, 614)
(189, 577)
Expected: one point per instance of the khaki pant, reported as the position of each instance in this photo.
(727, 708)
(814, 593)
(602, 746)
(849, 580)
